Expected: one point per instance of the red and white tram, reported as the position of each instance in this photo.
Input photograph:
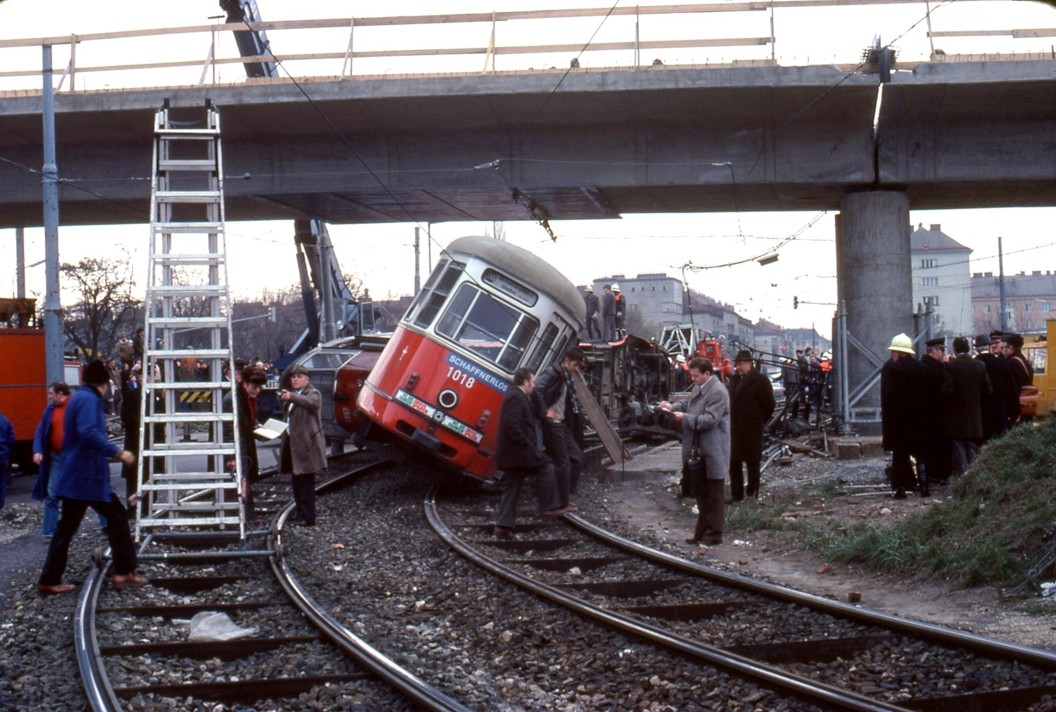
(488, 309)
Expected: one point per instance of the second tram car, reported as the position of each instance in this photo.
(487, 309)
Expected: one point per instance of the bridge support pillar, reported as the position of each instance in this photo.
(874, 289)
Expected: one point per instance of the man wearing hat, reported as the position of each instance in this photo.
(902, 413)
(751, 405)
(1022, 371)
(964, 390)
(248, 384)
(590, 306)
(303, 443)
(1001, 407)
(608, 313)
(935, 469)
(84, 481)
(620, 313)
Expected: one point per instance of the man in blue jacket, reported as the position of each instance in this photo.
(7, 444)
(84, 482)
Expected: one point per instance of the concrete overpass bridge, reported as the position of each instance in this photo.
(587, 143)
(508, 147)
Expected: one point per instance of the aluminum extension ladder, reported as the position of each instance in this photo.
(183, 482)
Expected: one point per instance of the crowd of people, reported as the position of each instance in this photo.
(606, 318)
(937, 411)
(540, 437)
(73, 452)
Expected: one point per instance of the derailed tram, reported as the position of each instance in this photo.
(487, 309)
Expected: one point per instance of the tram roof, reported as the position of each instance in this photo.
(531, 269)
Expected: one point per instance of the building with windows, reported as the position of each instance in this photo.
(1029, 300)
(941, 281)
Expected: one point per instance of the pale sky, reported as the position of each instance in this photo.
(381, 256)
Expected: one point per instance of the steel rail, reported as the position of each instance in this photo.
(930, 631)
(96, 682)
(765, 675)
(97, 686)
(406, 682)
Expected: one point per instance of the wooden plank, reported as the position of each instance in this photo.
(606, 433)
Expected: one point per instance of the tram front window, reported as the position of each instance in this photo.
(487, 327)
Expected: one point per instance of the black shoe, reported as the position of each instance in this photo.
(899, 494)
(711, 541)
(692, 541)
(925, 491)
(505, 533)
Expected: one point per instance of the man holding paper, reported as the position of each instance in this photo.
(303, 443)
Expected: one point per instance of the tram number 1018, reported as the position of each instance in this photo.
(461, 377)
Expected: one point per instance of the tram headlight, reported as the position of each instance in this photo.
(412, 380)
(483, 419)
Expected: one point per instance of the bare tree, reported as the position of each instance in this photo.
(104, 304)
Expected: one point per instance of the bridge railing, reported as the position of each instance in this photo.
(722, 34)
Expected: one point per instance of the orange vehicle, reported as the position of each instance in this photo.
(23, 378)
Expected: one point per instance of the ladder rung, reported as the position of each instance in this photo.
(189, 418)
(187, 164)
(192, 385)
(205, 258)
(176, 486)
(183, 353)
(186, 290)
(192, 506)
(168, 133)
(163, 477)
(176, 321)
(186, 521)
(204, 226)
(187, 196)
(185, 450)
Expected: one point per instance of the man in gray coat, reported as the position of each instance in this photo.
(704, 419)
(303, 443)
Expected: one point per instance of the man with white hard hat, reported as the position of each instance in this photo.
(902, 384)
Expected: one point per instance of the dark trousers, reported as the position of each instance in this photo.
(937, 461)
(304, 498)
(902, 475)
(117, 533)
(737, 479)
(566, 456)
(545, 492)
(710, 512)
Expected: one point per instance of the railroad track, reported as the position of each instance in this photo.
(271, 643)
(826, 653)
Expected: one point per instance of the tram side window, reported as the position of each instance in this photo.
(433, 295)
(518, 343)
(546, 342)
(486, 326)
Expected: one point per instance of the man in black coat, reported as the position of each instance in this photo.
(902, 413)
(249, 382)
(557, 407)
(1001, 407)
(936, 465)
(751, 405)
(519, 454)
(964, 390)
(590, 308)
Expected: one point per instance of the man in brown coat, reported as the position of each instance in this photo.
(303, 443)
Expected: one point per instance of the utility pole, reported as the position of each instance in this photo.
(53, 337)
(1001, 285)
(417, 259)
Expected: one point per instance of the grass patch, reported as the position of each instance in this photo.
(1002, 514)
